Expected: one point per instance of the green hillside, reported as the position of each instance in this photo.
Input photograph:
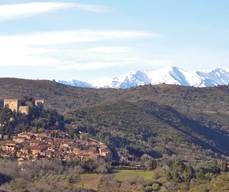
(162, 121)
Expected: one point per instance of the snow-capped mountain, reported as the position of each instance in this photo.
(168, 75)
(215, 77)
(76, 83)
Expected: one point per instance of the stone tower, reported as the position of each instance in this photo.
(39, 101)
(11, 104)
(24, 110)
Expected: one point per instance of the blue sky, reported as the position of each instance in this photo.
(89, 39)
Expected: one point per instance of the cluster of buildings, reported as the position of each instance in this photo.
(17, 105)
(51, 144)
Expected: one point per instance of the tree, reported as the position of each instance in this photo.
(7, 121)
(188, 173)
(89, 165)
(180, 172)
(148, 162)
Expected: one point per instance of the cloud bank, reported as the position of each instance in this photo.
(76, 49)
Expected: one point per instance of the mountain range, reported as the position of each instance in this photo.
(167, 75)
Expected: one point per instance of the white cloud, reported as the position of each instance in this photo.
(15, 11)
(73, 50)
(118, 61)
(79, 36)
(109, 49)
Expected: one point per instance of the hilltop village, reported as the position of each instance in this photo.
(48, 144)
(53, 144)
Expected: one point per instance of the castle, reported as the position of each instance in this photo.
(17, 106)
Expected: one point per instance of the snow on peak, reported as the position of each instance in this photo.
(174, 75)
(167, 75)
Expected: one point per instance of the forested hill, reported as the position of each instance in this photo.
(161, 120)
(61, 97)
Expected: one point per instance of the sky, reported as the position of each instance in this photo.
(90, 39)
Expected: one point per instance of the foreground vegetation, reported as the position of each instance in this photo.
(98, 176)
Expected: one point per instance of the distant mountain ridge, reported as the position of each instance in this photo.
(76, 83)
(167, 75)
